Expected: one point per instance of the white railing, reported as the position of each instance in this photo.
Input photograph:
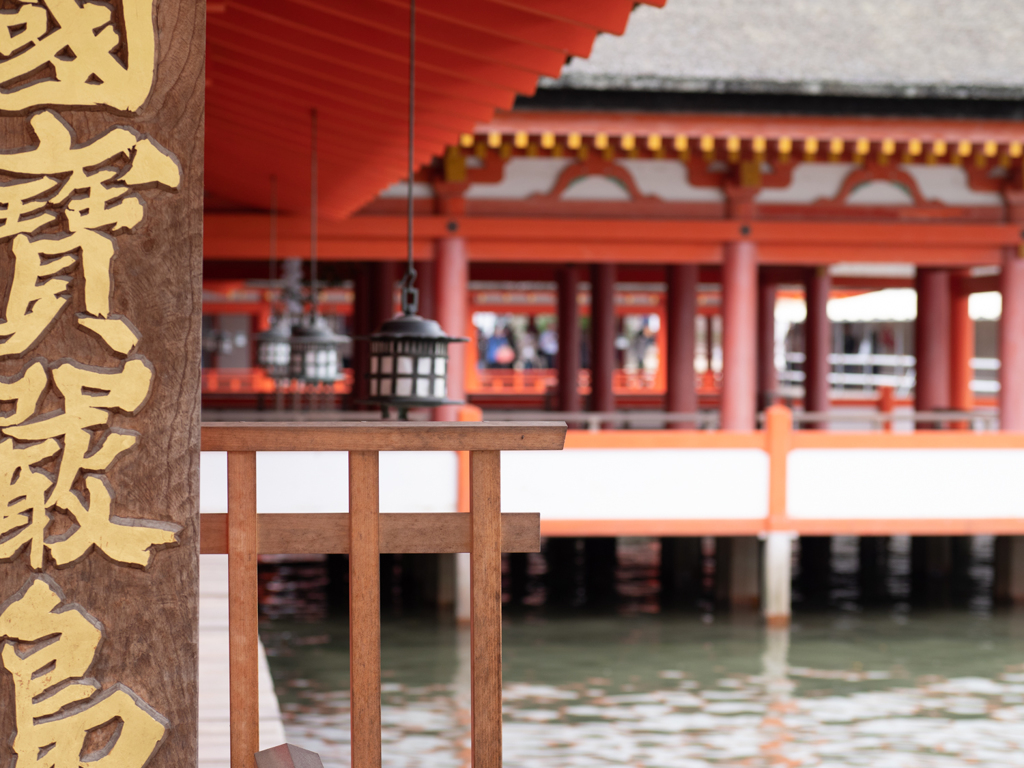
(900, 377)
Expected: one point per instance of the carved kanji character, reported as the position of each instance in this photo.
(95, 202)
(27, 492)
(48, 648)
(79, 41)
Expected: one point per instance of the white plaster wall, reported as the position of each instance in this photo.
(810, 182)
(948, 184)
(599, 188)
(908, 484)
(642, 483)
(879, 192)
(524, 176)
(669, 181)
(420, 189)
(314, 481)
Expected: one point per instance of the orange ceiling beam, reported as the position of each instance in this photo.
(428, 119)
(259, 33)
(641, 230)
(336, 86)
(598, 15)
(324, 22)
(510, 23)
(623, 240)
(271, 61)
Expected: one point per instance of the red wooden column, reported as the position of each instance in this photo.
(932, 340)
(362, 326)
(384, 276)
(818, 340)
(602, 325)
(767, 376)
(1011, 342)
(568, 339)
(425, 274)
(962, 350)
(739, 336)
(451, 280)
(681, 395)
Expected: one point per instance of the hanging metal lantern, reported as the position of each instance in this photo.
(409, 354)
(314, 349)
(273, 349)
(409, 364)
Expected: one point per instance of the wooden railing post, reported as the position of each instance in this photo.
(485, 508)
(364, 606)
(243, 608)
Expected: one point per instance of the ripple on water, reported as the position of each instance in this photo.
(877, 693)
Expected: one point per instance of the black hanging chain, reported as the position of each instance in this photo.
(411, 294)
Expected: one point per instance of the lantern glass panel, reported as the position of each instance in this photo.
(403, 387)
(422, 387)
(423, 366)
(404, 365)
(439, 388)
(385, 387)
(439, 366)
(373, 387)
(374, 362)
(387, 365)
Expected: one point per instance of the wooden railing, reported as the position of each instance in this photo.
(364, 534)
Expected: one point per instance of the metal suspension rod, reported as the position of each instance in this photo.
(313, 213)
(273, 227)
(410, 296)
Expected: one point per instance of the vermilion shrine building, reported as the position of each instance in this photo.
(679, 177)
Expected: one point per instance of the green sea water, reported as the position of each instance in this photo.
(892, 689)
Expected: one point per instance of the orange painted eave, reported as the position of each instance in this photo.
(272, 61)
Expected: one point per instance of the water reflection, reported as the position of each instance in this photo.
(931, 691)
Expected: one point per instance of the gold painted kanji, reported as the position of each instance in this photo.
(28, 493)
(48, 649)
(76, 53)
(84, 192)
(79, 254)
(76, 188)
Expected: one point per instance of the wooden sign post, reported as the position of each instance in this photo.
(101, 178)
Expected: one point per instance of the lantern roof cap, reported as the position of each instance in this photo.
(314, 328)
(279, 330)
(414, 327)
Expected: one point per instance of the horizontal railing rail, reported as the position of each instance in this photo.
(400, 532)
(384, 436)
(988, 419)
(596, 419)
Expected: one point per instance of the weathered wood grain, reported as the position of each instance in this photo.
(364, 607)
(387, 436)
(243, 608)
(413, 532)
(485, 621)
(149, 615)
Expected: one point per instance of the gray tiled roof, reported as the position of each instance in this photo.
(942, 48)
